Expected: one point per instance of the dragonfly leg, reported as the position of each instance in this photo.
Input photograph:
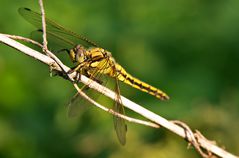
(77, 78)
(79, 70)
(76, 68)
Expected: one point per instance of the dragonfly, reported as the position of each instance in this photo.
(94, 62)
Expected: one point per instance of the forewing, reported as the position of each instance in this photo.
(54, 28)
(56, 43)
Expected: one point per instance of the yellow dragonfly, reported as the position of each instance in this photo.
(93, 61)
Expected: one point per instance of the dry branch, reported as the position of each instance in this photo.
(180, 130)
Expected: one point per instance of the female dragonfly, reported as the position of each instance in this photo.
(93, 61)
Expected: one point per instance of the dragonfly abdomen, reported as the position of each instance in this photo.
(123, 76)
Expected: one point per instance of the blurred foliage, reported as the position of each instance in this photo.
(188, 48)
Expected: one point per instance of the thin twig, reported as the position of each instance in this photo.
(24, 39)
(203, 142)
(43, 26)
(44, 36)
(190, 137)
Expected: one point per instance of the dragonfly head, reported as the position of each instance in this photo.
(77, 54)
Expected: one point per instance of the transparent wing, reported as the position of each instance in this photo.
(78, 103)
(119, 123)
(55, 29)
(55, 42)
(76, 106)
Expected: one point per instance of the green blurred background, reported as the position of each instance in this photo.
(188, 48)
